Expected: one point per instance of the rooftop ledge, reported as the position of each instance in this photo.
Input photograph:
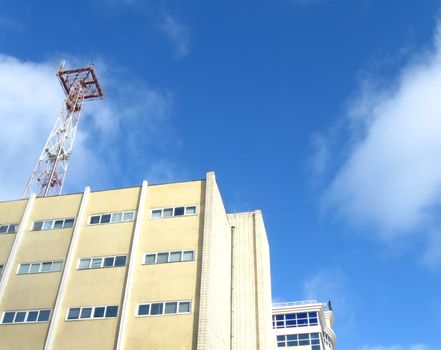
(300, 303)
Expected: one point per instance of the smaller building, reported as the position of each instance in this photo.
(305, 325)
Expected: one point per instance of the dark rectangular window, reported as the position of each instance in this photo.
(44, 315)
(179, 211)
(26, 316)
(73, 314)
(112, 218)
(20, 317)
(111, 311)
(92, 312)
(105, 218)
(164, 308)
(32, 316)
(171, 212)
(99, 312)
(143, 309)
(86, 312)
(95, 219)
(99, 262)
(168, 257)
(156, 309)
(108, 262)
(120, 261)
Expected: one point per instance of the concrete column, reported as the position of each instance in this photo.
(141, 217)
(15, 246)
(68, 264)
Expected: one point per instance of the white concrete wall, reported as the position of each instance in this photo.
(251, 283)
(214, 308)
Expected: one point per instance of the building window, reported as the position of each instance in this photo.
(164, 308)
(112, 218)
(168, 257)
(39, 267)
(160, 213)
(91, 312)
(25, 316)
(328, 340)
(104, 261)
(52, 224)
(299, 340)
(8, 228)
(295, 320)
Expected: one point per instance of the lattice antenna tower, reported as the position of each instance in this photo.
(79, 85)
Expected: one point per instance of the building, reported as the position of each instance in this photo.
(304, 325)
(149, 267)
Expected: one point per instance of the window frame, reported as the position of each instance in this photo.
(52, 224)
(112, 214)
(102, 262)
(150, 303)
(168, 257)
(27, 312)
(8, 228)
(297, 322)
(40, 268)
(92, 313)
(173, 215)
(282, 339)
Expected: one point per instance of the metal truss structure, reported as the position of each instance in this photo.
(79, 85)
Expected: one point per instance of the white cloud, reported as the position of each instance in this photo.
(432, 255)
(395, 347)
(391, 177)
(178, 35)
(117, 137)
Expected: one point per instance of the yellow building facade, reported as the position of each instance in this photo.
(150, 267)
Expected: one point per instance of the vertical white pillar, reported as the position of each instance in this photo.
(66, 272)
(141, 217)
(11, 258)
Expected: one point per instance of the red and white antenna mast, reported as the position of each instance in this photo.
(79, 85)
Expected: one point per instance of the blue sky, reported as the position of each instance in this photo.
(325, 114)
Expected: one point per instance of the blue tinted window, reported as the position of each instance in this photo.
(105, 218)
(44, 315)
(112, 311)
(171, 308)
(74, 313)
(99, 312)
(143, 309)
(20, 317)
(86, 312)
(32, 316)
(279, 317)
(108, 262)
(179, 211)
(156, 309)
(95, 219)
(8, 317)
(120, 261)
(68, 223)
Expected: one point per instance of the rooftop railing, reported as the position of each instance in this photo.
(299, 303)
